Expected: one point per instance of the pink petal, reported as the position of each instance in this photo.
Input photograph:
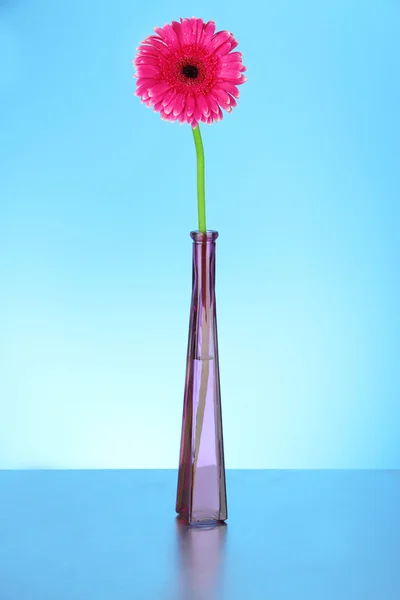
(186, 29)
(179, 104)
(222, 97)
(168, 108)
(234, 43)
(148, 51)
(168, 97)
(236, 80)
(156, 99)
(142, 53)
(242, 79)
(218, 39)
(143, 85)
(168, 35)
(212, 103)
(178, 30)
(222, 64)
(208, 32)
(145, 81)
(233, 57)
(230, 68)
(200, 25)
(230, 71)
(159, 88)
(202, 105)
(148, 71)
(159, 45)
(229, 87)
(194, 124)
(190, 105)
(168, 117)
(193, 28)
(146, 60)
(222, 49)
(138, 94)
(197, 113)
(197, 28)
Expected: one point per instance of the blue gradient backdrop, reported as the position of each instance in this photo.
(97, 201)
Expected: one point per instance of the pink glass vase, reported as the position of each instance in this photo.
(201, 496)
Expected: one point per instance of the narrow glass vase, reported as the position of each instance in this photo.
(201, 496)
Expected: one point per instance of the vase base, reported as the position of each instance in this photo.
(205, 523)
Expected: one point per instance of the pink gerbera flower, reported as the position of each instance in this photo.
(187, 72)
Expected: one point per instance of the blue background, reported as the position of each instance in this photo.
(97, 200)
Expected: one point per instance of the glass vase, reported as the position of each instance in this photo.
(201, 495)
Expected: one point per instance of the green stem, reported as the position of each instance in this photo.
(201, 200)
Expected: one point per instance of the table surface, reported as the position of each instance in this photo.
(113, 535)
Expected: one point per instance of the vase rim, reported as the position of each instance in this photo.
(201, 237)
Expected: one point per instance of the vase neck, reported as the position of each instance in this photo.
(204, 259)
(204, 237)
(203, 297)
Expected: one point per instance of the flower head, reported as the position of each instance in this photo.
(187, 72)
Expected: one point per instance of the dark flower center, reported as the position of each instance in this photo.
(190, 71)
